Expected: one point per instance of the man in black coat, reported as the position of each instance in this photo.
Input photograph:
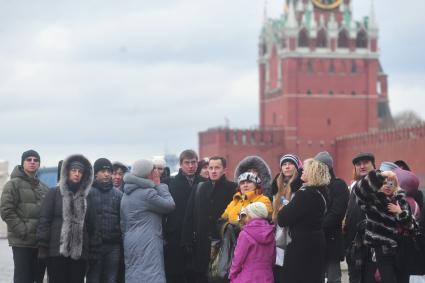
(363, 162)
(337, 195)
(206, 205)
(180, 188)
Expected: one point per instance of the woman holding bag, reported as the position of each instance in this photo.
(282, 194)
(304, 215)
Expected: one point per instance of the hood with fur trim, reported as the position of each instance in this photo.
(86, 180)
(259, 165)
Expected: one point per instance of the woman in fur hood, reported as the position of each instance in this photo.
(257, 165)
(67, 234)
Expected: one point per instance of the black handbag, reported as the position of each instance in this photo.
(411, 252)
(221, 257)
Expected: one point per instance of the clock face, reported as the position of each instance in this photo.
(327, 4)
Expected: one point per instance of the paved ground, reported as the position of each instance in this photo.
(6, 264)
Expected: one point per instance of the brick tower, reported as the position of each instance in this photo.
(319, 77)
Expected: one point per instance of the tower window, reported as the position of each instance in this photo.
(322, 39)
(361, 40)
(331, 92)
(332, 68)
(309, 92)
(353, 93)
(303, 38)
(353, 67)
(274, 118)
(309, 67)
(343, 39)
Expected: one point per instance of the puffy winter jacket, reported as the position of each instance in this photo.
(20, 207)
(234, 208)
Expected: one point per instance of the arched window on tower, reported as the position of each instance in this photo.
(332, 67)
(353, 67)
(343, 39)
(309, 66)
(303, 38)
(283, 42)
(361, 40)
(322, 38)
(263, 49)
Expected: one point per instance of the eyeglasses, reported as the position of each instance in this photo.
(32, 159)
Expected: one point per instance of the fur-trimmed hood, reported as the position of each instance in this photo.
(86, 180)
(259, 164)
(74, 208)
(132, 182)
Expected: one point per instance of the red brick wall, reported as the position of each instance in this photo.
(407, 144)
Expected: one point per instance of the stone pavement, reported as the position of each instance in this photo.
(6, 264)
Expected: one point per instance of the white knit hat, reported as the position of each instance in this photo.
(256, 210)
(142, 168)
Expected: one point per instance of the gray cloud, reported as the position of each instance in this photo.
(133, 80)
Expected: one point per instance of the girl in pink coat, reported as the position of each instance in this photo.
(255, 251)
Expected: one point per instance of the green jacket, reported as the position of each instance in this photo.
(20, 207)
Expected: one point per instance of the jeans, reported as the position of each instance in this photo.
(27, 268)
(333, 272)
(66, 270)
(105, 269)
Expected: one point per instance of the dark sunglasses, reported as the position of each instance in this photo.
(32, 159)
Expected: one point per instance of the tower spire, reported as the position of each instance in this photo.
(265, 12)
(373, 25)
(292, 21)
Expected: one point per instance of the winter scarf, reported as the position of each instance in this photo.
(74, 207)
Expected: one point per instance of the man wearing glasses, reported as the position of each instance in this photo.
(20, 208)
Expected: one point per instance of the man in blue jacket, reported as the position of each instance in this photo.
(107, 201)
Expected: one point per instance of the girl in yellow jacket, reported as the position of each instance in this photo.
(249, 191)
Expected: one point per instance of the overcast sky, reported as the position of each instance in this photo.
(133, 79)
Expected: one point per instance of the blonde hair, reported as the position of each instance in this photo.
(317, 173)
(283, 190)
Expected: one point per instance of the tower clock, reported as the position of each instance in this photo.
(327, 4)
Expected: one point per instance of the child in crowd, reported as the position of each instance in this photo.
(255, 250)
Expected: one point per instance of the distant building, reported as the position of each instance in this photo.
(48, 175)
(172, 162)
(322, 87)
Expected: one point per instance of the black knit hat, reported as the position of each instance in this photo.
(101, 164)
(364, 156)
(29, 153)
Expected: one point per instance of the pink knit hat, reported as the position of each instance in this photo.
(407, 180)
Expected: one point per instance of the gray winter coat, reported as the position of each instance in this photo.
(142, 208)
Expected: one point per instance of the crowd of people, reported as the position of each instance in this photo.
(107, 222)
